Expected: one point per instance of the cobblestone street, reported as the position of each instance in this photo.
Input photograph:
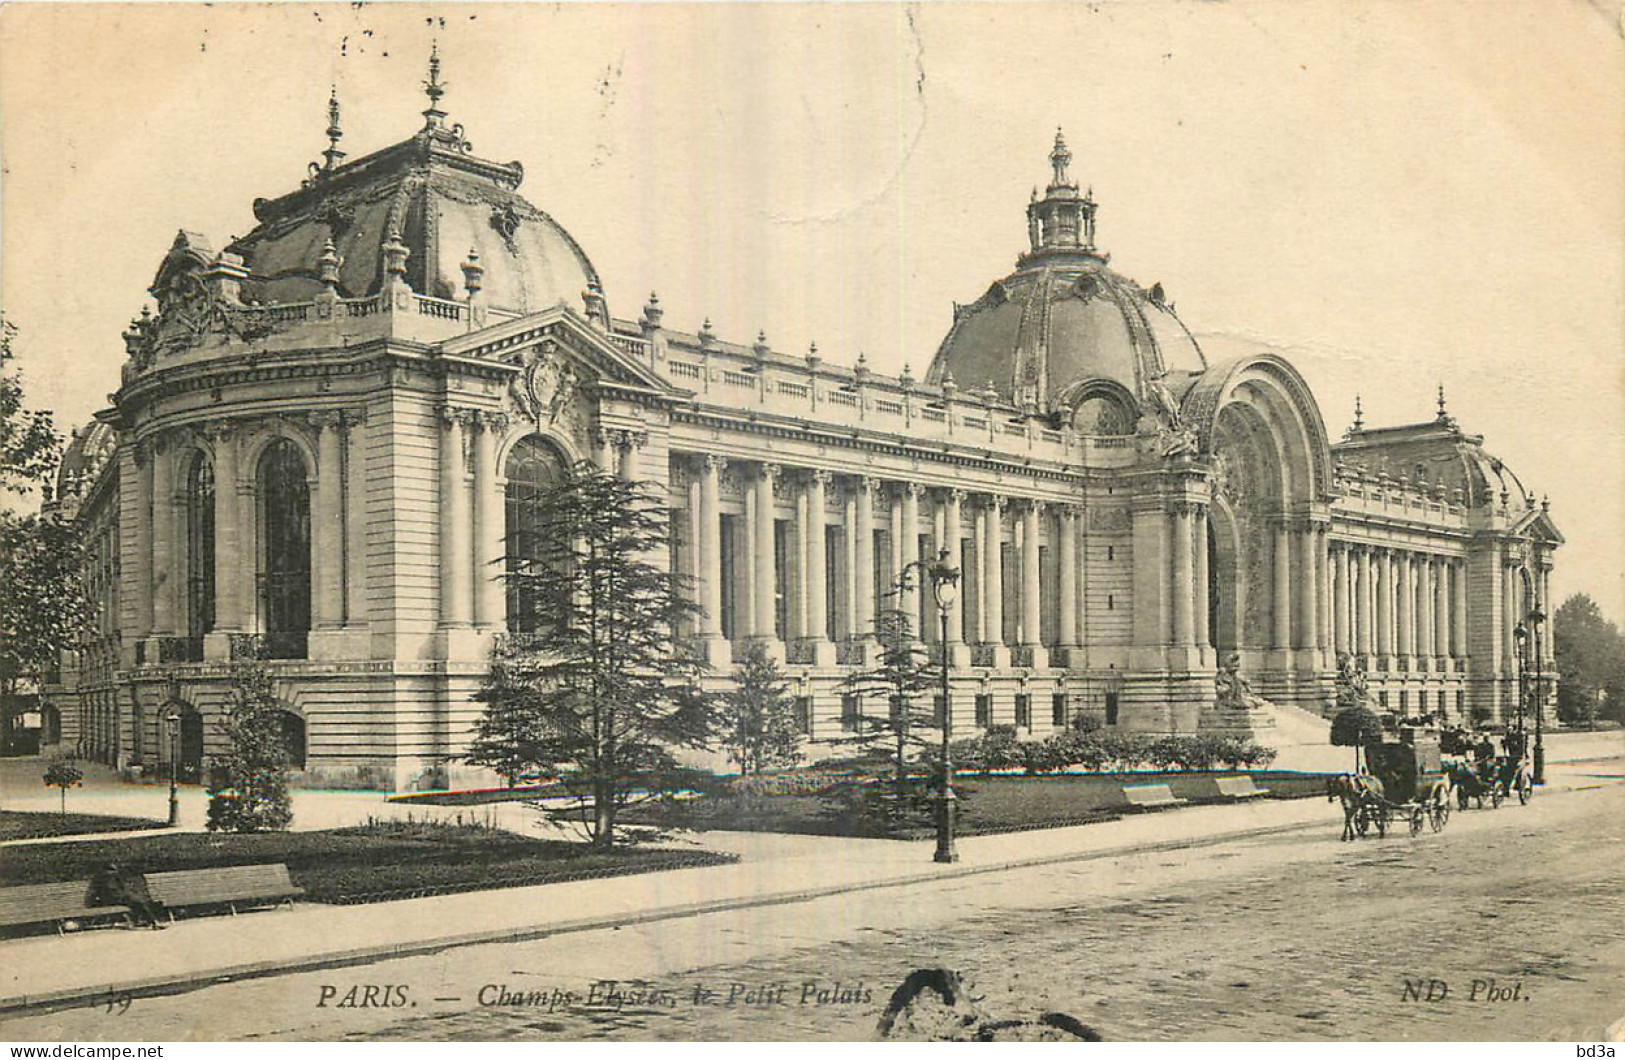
(1292, 936)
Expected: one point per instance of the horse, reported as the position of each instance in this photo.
(1472, 782)
(1355, 790)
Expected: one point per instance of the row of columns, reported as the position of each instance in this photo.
(1394, 602)
(810, 607)
(164, 501)
(472, 520)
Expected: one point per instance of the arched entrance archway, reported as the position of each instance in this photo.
(182, 746)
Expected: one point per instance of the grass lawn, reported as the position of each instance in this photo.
(20, 825)
(994, 803)
(370, 863)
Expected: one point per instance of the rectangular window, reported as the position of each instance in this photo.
(938, 710)
(1010, 579)
(1111, 708)
(1049, 587)
(1404, 701)
(926, 619)
(881, 553)
(851, 711)
(781, 578)
(1442, 701)
(729, 577)
(1461, 704)
(1057, 710)
(970, 603)
(1024, 711)
(1382, 698)
(984, 711)
(804, 715)
(834, 580)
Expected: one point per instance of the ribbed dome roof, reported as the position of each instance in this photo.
(1063, 319)
(441, 200)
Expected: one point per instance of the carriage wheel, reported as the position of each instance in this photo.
(1379, 815)
(1526, 789)
(1416, 821)
(1498, 794)
(1440, 815)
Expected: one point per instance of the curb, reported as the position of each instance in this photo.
(161, 986)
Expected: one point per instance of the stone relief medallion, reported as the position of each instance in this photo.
(1109, 520)
(545, 386)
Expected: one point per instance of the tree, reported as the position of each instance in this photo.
(598, 695)
(43, 606)
(759, 725)
(63, 773)
(29, 443)
(1356, 727)
(248, 786)
(903, 673)
(1590, 654)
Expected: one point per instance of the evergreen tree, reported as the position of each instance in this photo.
(597, 694)
(248, 786)
(759, 724)
(29, 444)
(905, 679)
(1590, 653)
(43, 607)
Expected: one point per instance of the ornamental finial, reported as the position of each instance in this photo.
(1359, 415)
(1059, 158)
(335, 132)
(1443, 415)
(434, 88)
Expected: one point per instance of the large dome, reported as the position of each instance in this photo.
(441, 201)
(1064, 325)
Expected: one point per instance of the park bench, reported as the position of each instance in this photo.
(1150, 796)
(51, 903)
(230, 886)
(1239, 788)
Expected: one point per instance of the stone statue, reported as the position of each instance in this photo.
(1233, 691)
(1351, 683)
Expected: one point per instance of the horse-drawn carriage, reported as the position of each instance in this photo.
(1403, 778)
(1478, 773)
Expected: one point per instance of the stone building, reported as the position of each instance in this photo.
(329, 427)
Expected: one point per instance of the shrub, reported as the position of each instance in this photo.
(63, 773)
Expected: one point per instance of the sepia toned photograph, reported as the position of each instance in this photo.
(812, 522)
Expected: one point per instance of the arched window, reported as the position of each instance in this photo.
(284, 495)
(534, 467)
(293, 737)
(200, 547)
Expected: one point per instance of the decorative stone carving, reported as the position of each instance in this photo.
(546, 384)
(1232, 692)
(1109, 520)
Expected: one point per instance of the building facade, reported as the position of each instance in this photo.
(328, 431)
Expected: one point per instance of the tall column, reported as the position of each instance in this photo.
(1282, 617)
(1183, 576)
(1364, 599)
(1385, 606)
(817, 591)
(229, 540)
(765, 625)
(1308, 588)
(1031, 598)
(993, 574)
(1458, 609)
(167, 578)
(910, 601)
(490, 599)
(1323, 587)
(626, 468)
(327, 545)
(710, 547)
(979, 575)
(796, 627)
(355, 521)
(1407, 603)
(849, 567)
(145, 573)
(1067, 527)
(1509, 608)
(1548, 643)
(455, 549)
(1341, 598)
(863, 604)
(952, 531)
(1441, 608)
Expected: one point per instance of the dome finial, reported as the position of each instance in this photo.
(1059, 159)
(434, 88)
(1443, 417)
(1359, 416)
(335, 132)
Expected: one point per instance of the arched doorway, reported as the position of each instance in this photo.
(293, 737)
(191, 747)
(284, 490)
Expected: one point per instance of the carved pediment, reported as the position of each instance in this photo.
(593, 356)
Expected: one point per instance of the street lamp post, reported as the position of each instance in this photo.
(172, 724)
(1536, 618)
(945, 587)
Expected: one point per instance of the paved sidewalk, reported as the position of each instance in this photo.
(775, 869)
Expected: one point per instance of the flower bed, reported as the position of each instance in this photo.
(16, 824)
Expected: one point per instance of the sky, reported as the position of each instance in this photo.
(1393, 195)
